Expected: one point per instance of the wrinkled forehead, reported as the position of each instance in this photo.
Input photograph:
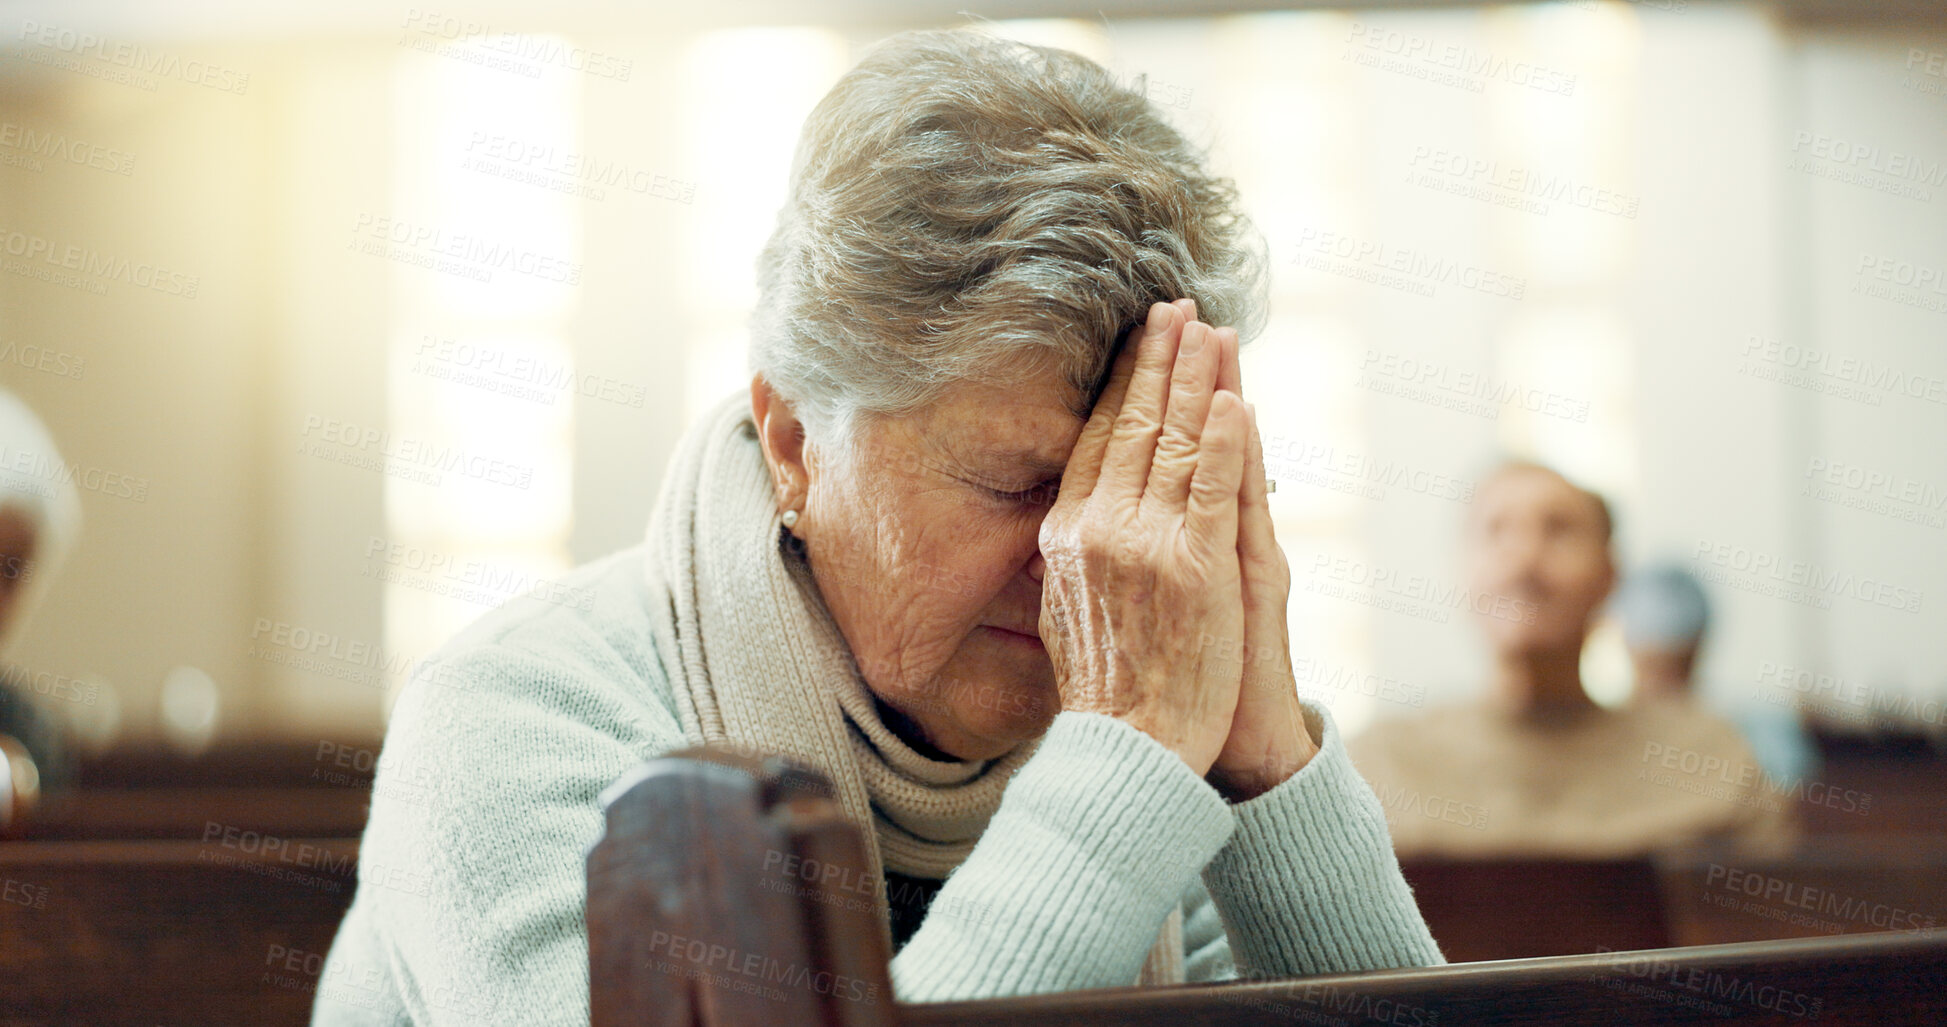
(1028, 428)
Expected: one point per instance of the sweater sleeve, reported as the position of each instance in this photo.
(471, 891)
(1206, 951)
(1096, 840)
(1308, 883)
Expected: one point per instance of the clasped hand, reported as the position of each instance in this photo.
(1163, 600)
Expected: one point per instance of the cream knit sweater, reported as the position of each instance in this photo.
(471, 888)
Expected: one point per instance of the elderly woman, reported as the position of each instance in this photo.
(987, 542)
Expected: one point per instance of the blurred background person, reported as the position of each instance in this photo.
(1534, 767)
(40, 512)
(1664, 614)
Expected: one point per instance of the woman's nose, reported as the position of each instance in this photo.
(1037, 566)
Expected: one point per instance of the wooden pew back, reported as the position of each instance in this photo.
(709, 901)
(1827, 886)
(1867, 981)
(129, 814)
(1513, 909)
(691, 922)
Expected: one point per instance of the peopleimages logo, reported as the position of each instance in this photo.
(1796, 580)
(1416, 270)
(1704, 989)
(62, 148)
(42, 359)
(517, 374)
(56, 686)
(473, 256)
(567, 170)
(1837, 698)
(1876, 482)
(26, 470)
(1327, 466)
(1744, 784)
(433, 26)
(1823, 901)
(1492, 394)
(696, 958)
(472, 580)
(390, 454)
(1416, 595)
(1463, 61)
(1519, 183)
(1433, 807)
(1828, 372)
(1891, 164)
(1875, 491)
(90, 267)
(1901, 281)
(130, 58)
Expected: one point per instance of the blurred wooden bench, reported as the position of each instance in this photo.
(1826, 886)
(709, 904)
(292, 790)
(109, 814)
(1517, 908)
(229, 930)
(174, 889)
(1696, 894)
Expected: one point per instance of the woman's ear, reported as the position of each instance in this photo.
(782, 436)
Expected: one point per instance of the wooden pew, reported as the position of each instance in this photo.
(1511, 909)
(1890, 784)
(291, 790)
(300, 763)
(707, 852)
(174, 889)
(1869, 981)
(1831, 885)
(700, 912)
(110, 814)
(1700, 894)
(228, 930)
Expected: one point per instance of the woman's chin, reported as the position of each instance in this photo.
(993, 695)
(1018, 715)
(993, 717)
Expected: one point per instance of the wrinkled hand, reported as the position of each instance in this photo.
(1268, 739)
(1142, 546)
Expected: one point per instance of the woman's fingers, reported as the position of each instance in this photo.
(1210, 512)
(1117, 574)
(1230, 373)
(1133, 431)
(1268, 740)
(1266, 579)
(1192, 385)
(1085, 460)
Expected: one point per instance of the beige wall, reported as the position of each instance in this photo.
(206, 398)
(173, 387)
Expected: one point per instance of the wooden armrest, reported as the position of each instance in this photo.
(727, 890)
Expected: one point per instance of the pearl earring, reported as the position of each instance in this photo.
(790, 518)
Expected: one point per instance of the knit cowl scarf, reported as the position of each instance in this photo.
(756, 661)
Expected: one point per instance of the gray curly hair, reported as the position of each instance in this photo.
(968, 208)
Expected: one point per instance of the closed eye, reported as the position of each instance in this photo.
(1037, 495)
